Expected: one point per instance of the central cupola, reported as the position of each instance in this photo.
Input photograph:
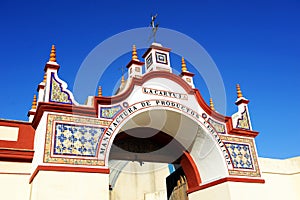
(157, 58)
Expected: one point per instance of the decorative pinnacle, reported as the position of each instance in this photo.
(122, 81)
(238, 90)
(33, 102)
(53, 54)
(99, 91)
(211, 104)
(45, 77)
(183, 65)
(134, 53)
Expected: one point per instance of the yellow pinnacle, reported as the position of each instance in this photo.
(45, 77)
(53, 54)
(238, 90)
(122, 81)
(99, 91)
(134, 53)
(183, 65)
(211, 104)
(33, 102)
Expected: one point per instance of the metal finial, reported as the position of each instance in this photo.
(238, 90)
(134, 53)
(211, 104)
(99, 91)
(33, 106)
(183, 65)
(53, 54)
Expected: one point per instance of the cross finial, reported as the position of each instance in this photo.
(211, 104)
(154, 27)
(238, 90)
(183, 65)
(53, 54)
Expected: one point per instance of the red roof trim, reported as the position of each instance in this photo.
(156, 47)
(140, 81)
(16, 155)
(137, 62)
(223, 180)
(51, 66)
(61, 108)
(30, 113)
(12, 123)
(186, 73)
(242, 132)
(40, 87)
(209, 111)
(67, 169)
(245, 101)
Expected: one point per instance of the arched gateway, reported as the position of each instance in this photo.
(179, 145)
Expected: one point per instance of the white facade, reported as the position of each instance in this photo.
(124, 147)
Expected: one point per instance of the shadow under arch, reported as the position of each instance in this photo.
(179, 129)
(159, 147)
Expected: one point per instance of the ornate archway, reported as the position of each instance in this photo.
(164, 135)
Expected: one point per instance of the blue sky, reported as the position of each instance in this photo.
(254, 43)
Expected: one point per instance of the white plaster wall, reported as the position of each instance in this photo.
(282, 178)
(39, 142)
(14, 180)
(148, 182)
(208, 159)
(49, 185)
(9, 133)
(141, 182)
(217, 192)
(161, 195)
(282, 182)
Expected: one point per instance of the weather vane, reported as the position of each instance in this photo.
(154, 27)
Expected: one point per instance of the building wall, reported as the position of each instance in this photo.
(49, 185)
(14, 180)
(282, 180)
(147, 182)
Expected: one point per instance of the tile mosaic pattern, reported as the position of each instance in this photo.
(243, 122)
(242, 148)
(76, 140)
(220, 128)
(240, 155)
(57, 94)
(110, 112)
(60, 140)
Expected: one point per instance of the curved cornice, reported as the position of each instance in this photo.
(92, 111)
(140, 81)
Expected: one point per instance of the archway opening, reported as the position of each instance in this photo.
(147, 145)
(144, 145)
(161, 138)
